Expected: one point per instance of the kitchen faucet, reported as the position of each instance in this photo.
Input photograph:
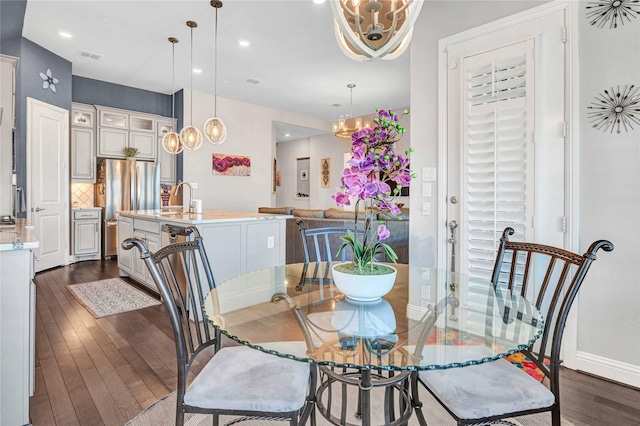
(175, 194)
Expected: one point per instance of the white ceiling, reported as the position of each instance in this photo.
(293, 52)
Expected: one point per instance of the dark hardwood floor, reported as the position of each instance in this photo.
(105, 371)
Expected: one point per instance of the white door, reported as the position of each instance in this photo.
(48, 181)
(505, 139)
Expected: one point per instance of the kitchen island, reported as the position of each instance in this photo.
(236, 242)
(17, 322)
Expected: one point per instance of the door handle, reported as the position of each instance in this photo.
(39, 209)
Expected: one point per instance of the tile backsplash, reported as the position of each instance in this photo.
(82, 194)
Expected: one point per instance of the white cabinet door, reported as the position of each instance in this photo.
(125, 257)
(153, 244)
(167, 165)
(85, 237)
(146, 144)
(112, 142)
(83, 155)
(139, 268)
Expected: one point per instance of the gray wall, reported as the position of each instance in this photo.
(96, 92)
(34, 60)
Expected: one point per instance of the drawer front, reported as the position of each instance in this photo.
(146, 225)
(86, 214)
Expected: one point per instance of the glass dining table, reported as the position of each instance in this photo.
(431, 319)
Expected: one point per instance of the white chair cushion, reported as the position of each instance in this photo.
(488, 389)
(242, 378)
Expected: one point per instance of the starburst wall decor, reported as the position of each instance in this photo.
(616, 109)
(611, 11)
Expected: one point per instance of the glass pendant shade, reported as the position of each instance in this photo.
(172, 144)
(215, 130)
(191, 137)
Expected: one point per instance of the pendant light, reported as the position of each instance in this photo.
(215, 129)
(171, 142)
(190, 135)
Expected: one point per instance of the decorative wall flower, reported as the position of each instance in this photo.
(616, 109)
(49, 81)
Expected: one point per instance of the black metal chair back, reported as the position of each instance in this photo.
(183, 301)
(321, 244)
(550, 277)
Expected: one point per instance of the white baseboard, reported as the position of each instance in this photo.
(605, 367)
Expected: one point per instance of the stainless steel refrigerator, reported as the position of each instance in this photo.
(124, 185)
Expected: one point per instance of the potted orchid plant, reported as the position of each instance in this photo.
(374, 163)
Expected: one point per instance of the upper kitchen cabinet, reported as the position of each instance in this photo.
(167, 160)
(119, 129)
(83, 143)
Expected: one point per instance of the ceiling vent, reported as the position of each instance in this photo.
(91, 55)
(254, 81)
(336, 105)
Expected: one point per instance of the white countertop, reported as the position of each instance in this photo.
(18, 237)
(207, 216)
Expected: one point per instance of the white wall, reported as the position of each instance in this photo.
(250, 133)
(287, 153)
(609, 165)
(609, 306)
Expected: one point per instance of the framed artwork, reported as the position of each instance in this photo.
(231, 165)
(325, 172)
(278, 178)
(304, 174)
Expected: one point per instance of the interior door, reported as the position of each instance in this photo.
(505, 140)
(48, 181)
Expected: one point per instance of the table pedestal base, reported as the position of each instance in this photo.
(340, 387)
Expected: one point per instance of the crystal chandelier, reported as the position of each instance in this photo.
(370, 29)
(343, 128)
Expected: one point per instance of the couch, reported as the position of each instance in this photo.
(333, 217)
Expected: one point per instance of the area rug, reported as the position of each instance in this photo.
(111, 296)
(162, 413)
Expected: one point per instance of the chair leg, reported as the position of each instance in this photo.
(555, 415)
(179, 417)
(415, 399)
(215, 419)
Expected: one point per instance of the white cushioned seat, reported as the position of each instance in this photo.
(488, 389)
(242, 378)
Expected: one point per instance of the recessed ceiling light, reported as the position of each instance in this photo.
(287, 135)
(318, 1)
(65, 34)
(197, 71)
(244, 43)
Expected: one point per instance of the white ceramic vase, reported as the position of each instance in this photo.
(364, 288)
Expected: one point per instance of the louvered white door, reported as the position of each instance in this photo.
(497, 152)
(505, 141)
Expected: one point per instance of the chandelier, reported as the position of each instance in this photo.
(171, 142)
(214, 128)
(345, 127)
(370, 29)
(190, 135)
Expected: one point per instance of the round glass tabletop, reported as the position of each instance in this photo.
(431, 319)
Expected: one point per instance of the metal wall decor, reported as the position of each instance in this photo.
(611, 11)
(616, 109)
(49, 81)
(325, 172)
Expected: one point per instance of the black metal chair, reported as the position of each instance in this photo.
(488, 392)
(238, 380)
(321, 245)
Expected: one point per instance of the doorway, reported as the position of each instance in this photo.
(48, 182)
(503, 137)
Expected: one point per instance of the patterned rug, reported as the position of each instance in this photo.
(454, 337)
(111, 296)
